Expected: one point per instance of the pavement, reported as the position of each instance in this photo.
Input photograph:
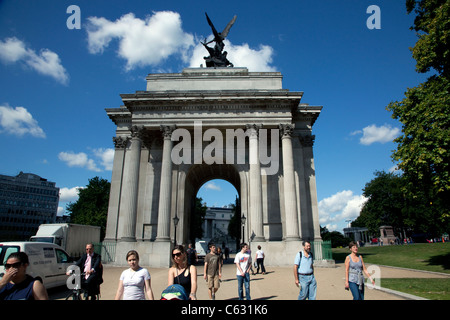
(276, 284)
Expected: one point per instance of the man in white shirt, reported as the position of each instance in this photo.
(243, 261)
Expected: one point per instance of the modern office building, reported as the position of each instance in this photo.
(26, 201)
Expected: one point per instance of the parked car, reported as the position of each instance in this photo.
(48, 261)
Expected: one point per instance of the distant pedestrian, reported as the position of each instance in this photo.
(243, 262)
(191, 255)
(354, 278)
(304, 273)
(227, 253)
(260, 260)
(212, 271)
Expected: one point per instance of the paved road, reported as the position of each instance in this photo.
(277, 284)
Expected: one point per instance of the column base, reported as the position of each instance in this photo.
(259, 239)
(128, 239)
(292, 238)
(162, 239)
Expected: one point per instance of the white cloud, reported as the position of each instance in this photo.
(372, 134)
(78, 160)
(18, 121)
(69, 195)
(212, 186)
(141, 42)
(48, 63)
(149, 42)
(339, 207)
(104, 155)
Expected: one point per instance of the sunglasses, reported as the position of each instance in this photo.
(13, 265)
(178, 254)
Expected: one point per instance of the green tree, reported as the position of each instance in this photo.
(423, 148)
(91, 208)
(197, 219)
(234, 227)
(385, 205)
(337, 239)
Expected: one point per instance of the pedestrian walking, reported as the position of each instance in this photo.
(260, 261)
(212, 271)
(354, 268)
(191, 255)
(182, 273)
(304, 273)
(135, 282)
(243, 262)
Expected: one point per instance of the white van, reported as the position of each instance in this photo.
(47, 261)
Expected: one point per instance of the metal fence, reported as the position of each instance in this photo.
(107, 250)
(322, 250)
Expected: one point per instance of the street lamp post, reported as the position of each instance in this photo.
(243, 218)
(175, 223)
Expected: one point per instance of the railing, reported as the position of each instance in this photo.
(107, 250)
(322, 250)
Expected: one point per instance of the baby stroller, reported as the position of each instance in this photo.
(174, 292)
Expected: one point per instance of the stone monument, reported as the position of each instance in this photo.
(201, 124)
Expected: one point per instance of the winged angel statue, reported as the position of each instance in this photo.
(217, 58)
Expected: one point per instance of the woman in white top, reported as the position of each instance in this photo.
(134, 282)
(260, 260)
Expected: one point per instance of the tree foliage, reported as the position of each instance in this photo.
(197, 219)
(423, 152)
(91, 208)
(234, 227)
(385, 205)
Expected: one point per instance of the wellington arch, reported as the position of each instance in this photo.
(213, 123)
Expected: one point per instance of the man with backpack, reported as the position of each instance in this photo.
(304, 273)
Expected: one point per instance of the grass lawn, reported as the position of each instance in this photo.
(434, 289)
(424, 256)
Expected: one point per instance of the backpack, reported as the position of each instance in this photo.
(301, 254)
(174, 292)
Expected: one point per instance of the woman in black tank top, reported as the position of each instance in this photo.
(183, 274)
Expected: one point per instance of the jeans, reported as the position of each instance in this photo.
(308, 287)
(357, 294)
(245, 280)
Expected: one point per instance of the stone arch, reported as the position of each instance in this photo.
(191, 180)
(149, 188)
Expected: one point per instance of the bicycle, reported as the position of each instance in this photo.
(78, 293)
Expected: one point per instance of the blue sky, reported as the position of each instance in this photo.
(56, 82)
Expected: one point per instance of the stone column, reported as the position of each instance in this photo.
(290, 194)
(165, 190)
(130, 183)
(116, 188)
(307, 141)
(255, 208)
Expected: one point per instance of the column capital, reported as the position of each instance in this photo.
(120, 142)
(253, 129)
(286, 129)
(137, 132)
(167, 130)
(307, 140)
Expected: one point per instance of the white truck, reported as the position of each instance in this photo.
(202, 248)
(71, 237)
